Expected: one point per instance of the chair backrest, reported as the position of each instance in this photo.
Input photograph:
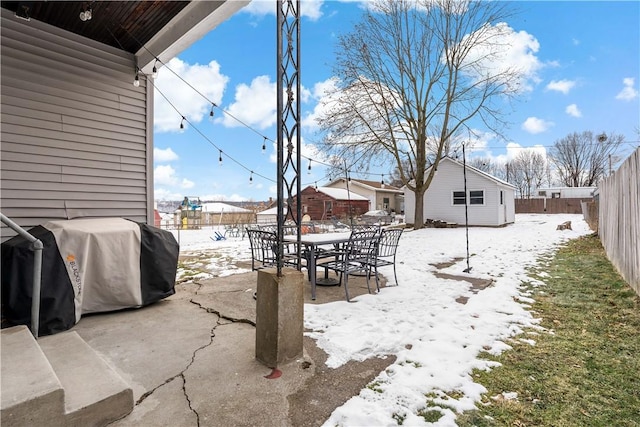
(362, 244)
(389, 239)
(264, 245)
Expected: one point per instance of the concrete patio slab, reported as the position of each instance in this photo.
(190, 360)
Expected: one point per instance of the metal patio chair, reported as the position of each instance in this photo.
(355, 257)
(386, 252)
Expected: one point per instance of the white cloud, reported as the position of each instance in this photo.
(535, 125)
(506, 51)
(164, 194)
(629, 92)
(308, 8)
(255, 105)
(573, 110)
(513, 149)
(164, 175)
(322, 93)
(186, 184)
(563, 86)
(207, 79)
(164, 155)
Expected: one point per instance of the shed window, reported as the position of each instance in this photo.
(458, 198)
(476, 197)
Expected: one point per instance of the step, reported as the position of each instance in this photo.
(31, 391)
(94, 393)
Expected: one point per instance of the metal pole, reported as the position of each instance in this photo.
(37, 271)
(466, 205)
(289, 112)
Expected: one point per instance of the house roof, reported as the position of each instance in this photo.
(478, 171)
(147, 29)
(217, 207)
(371, 185)
(341, 194)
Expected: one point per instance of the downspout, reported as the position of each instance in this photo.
(37, 247)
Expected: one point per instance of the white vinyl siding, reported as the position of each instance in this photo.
(484, 208)
(75, 133)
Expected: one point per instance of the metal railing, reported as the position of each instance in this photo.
(37, 247)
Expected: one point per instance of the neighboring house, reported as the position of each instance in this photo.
(381, 196)
(212, 213)
(77, 135)
(490, 201)
(564, 193)
(324, 203)
(268, 216)
(554, 200)
(222, 213)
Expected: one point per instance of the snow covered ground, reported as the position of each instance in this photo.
(435, 338)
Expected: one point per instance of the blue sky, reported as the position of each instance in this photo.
(583, 62)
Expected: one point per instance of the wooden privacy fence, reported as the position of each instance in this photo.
(619, 219)
(550, 206)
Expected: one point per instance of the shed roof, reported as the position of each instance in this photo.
(373, 185)
(478, 171)
(341, 194)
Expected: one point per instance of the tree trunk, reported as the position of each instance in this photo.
(419, 210)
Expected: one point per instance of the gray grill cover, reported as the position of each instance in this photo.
(89, 266)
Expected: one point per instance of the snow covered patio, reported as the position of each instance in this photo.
(433, 323)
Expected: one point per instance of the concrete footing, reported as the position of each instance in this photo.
(279, 316)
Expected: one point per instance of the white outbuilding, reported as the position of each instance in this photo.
(490, 201)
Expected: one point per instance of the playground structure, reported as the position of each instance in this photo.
(191, 213)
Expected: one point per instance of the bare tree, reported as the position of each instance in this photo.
(582, 159)
(527, 171)
(488, 165)
(411, 75)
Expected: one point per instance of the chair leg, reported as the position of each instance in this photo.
(394, 274)
(367, 277)
(376, 274)
(346, 288)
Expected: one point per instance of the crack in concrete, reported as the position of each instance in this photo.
(181, 374)
(222, 316)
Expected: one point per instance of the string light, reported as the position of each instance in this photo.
(220, 158)
(213, 104)
(182, 123)
(251, 178)
(154, 72)
(264, 144)
(136, 80)
(382, 180)
(309, 168)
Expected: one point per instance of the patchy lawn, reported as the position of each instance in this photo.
(583, 368)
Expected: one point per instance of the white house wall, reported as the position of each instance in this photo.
(75, 133)
(438, 199)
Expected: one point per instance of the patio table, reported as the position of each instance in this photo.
(312, 242)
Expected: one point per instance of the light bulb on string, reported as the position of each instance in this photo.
(154, 72)
(182, 124)
(316, 185)
(309, 168)
(136, 80)
(251, 178)
(264, 144)
(382, 180)
(220, 158)
(211, 113)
